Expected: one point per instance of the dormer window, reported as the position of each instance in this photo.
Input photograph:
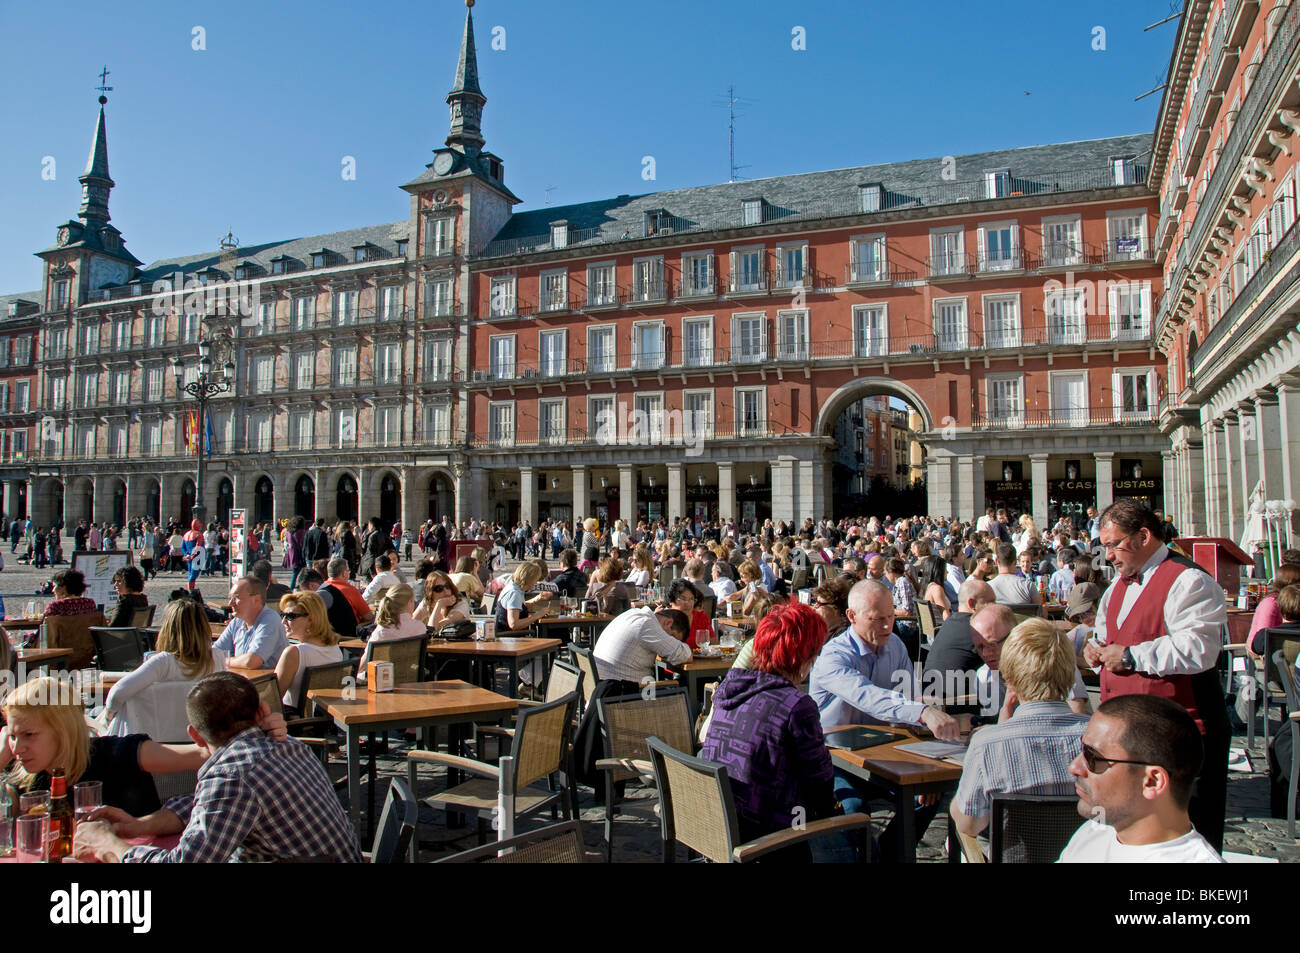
(997, 183)
(359, 254)
(279, 265)
(241, 272)
(657, 221)
(869, 195)
(1124, 169)
(559, 234)
(753, 211)
(401, 248)
(494, 169)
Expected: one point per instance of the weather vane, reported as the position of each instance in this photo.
(103, 86)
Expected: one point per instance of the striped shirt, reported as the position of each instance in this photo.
(1029, 754)
(266, 800)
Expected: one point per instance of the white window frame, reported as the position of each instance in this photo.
(552, 365)
(304, 359)
(390, 302)
(945, 260)
(801, 348)
(434, 431)
(502, 368)
(503, 299)
(736, 277)
(1117, 390)
(709, 415)
(300, 437)
(597, 273)
(693, 284)
(22, 397)
(607, 363)
(1066, 328)
(1011, 417)
(702, 357)
(738, 352)
(997, 183)
(345, 307)
(501, 434)
(594, 432)
(121, 334)
(1137, 330)
(1284, 202)
(870, 197)
(757, 428)
(1069, 416)
(1012, 333)
(302, 311)
(339, 417)
(442, 235)
(385, 415)
(657, 421)
(120, 388)
(558, 435)
(649, 361)
(1008, 260)
(439, 301)
(151, 436)
(388, 362)
(261, 381)
(961, 340)
(877, 269)
(1136, 247)
(261, 426)
(1060, 252)
(339, 365)
(786, 277)
(553, 290)
(648, 279)
(751, 211)
(870, 345)
(438, 358)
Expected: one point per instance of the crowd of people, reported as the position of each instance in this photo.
(1149, 765)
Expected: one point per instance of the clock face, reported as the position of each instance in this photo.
(442, 164)
(63, 235)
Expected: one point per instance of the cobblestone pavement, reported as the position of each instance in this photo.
(1250, 829)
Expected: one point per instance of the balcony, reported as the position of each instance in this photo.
(951, 265)
(1012, 259)
(600, 298)
(1069, 418)
(1137, 249)
(696, 286)
(648, 292)
(749, 282)
(445, 250)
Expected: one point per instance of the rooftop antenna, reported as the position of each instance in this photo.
(731, 103)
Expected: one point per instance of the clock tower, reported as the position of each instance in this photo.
(88, 254)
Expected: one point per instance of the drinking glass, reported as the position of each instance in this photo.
(702, 640)
(87, 797)
(6, 837)
(35, 802)
(31, 835)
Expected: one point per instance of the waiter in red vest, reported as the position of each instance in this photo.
(1159, 632)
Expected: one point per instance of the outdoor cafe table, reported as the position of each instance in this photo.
(419, 705)
(39, 658)
(903, 773)
(510, 651)
(592, 624)
(699, 670)
(746, 624)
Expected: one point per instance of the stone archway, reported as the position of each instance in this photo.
(304, 498)
(153, 502)
(390, 498)
(441, 496)
(264, 500)
(345, 495)
(117, 509)
(225, 500)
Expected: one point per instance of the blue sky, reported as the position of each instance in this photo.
(250, 133)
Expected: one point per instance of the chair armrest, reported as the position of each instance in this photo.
(455, 761)
(300, 723)
(770, 842)
(528, 703)
(1294, 716)
(635, 765)
(495, 730)
(970, 848)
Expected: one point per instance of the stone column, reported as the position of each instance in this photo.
(726, 491)
(410, 522)
(11, 499)
(1268, 429)
(1288, 400)
(1038, 467)
(581, 495)
(366, 507)
(1105, 461)
(1172, 492)
(1248, 452)
(1231, 477)
(977, 486)
(785, 502)
(939, 484)
(104, 502)
(321, 507)
(528, 496)
(1193, 487)
(811, 483)
(676, 492)
(1211, 478)
(627, 494)
(967, 477)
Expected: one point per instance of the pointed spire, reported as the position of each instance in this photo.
(466, 99)
(95, 181)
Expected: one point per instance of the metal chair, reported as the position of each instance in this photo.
(73, 632)
(505, 793)
(396, 825)
(798, 580)
(1286, 641)
(142, 616)
(407, 656)
(587, 665)
(696, 808)
(1286, 676)
(116, 649)
(1031, 828)
(321, 678)
(553, 844)
(563, 680)
(629, 721)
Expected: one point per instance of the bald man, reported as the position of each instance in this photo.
(952, 649)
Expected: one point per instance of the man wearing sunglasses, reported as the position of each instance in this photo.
(1134, 776)
(1159, 631)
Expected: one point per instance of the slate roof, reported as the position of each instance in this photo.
(1057, 167)
(34, 297)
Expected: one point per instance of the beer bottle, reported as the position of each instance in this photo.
(60, 818)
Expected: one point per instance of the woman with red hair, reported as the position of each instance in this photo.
(767, 732)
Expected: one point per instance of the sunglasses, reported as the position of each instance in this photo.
(439, 589)
(290, 616)
(1092, 758)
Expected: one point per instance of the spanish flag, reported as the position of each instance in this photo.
(192, 431)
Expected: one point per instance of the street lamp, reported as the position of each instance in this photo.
(205, 386)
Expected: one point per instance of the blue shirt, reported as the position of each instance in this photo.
(769, 577)
(852, 685)
(1061, 583)
(265, 638)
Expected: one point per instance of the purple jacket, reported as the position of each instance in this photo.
(768, 735)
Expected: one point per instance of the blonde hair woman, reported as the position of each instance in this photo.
(183, 653)
(608, 589)
(393, 620)
(513, 607)
(1028, 535)
(642, 565)
(618, 538)
(46, 731)
(311, 642)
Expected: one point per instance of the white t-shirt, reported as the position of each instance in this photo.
(1096, 843)
(1012, 590)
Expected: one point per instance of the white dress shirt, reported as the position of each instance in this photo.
(1195, 615)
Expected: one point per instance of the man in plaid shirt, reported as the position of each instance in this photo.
(257, 798)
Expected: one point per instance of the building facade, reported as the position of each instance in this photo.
(688, 352)
(1224, 167)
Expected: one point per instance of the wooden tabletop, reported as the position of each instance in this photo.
(21, 624)
(569, 619)
(250, 673)
(707, 663)
(411, 702)
(40, 656)
(504, 648)
(739, 622)
(901, 768)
